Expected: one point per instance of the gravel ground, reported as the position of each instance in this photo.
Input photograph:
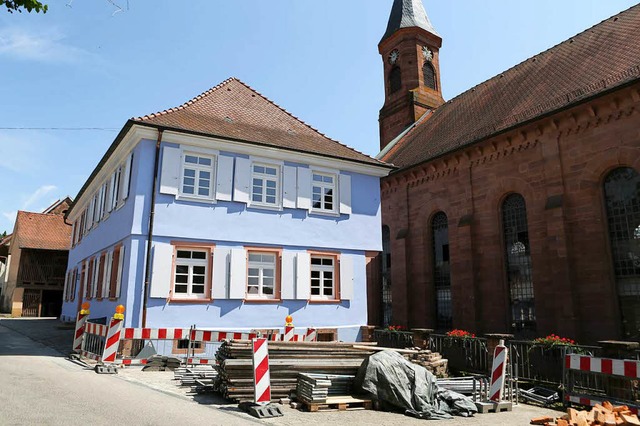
(53, 334)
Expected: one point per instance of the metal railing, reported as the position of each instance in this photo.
(394, 339)
(465, 355)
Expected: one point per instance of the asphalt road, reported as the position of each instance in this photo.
(38, 386)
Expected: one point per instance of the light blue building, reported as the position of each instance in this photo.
(229, 213)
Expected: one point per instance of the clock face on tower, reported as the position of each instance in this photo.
(393, 57)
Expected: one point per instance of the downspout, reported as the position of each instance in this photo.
(152, 212)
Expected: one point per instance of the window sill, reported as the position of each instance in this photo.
(181, 197)
(323, 213)
(273, 208)
(190, 301)
(324, 302)
(263, 301)
(113, 299)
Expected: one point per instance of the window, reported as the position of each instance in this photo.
(191, 274)
(100, 276)
(265, 189)
(323, 192)
(197, 176)
(395, 80)
(262, 275)
(518, 263)
(429, 75)
(441, 271)
(115, 194)
(622, 200)
(324, 277)
(89, 283)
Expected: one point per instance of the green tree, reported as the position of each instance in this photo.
(29, 5)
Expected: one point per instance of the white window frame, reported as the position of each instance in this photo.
(117, 188)
(277, 205)
(324, 185)
(190, 263)
(261, 266)
(322, 269)
(211, 198)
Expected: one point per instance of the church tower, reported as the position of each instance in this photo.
(410, 54)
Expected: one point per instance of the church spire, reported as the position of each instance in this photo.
(410, 50)
(406, 14)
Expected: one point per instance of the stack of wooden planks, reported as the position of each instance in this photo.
(605, 415)
(286, 361)
(318, 387)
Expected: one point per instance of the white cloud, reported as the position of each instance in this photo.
(22, 153)
(37, 195)
(43, 45)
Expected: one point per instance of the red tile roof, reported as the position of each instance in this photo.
(234, 110)
(593, 62)
(41, 231)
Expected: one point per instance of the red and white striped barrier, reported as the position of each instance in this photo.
(81, 320)
(261, 377)
(312, 335)
(210, 335)
(156, 333)
(615, 367)
(498, 372)
(289, 333)
(201, 361)
(97, 329)
(113, 341)
(219, 336)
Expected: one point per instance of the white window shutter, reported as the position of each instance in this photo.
(224, 180)
(304, 188)
(238, 279)
(107, 274)
(345, 194)
(242, 184)
(303, 276)
(126, 177)
(221, 257)
(289, 187)
(346, 277)
(119, 277)
(288, 276)
(170, 172)
(162, 270)
(111, 189)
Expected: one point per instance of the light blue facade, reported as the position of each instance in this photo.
(230, 226)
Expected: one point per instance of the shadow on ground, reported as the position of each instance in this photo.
(49, 332)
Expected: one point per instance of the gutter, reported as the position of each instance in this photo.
(152, 212)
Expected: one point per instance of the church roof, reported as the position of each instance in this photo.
(407, 14)
(593, 62)
(235, 111)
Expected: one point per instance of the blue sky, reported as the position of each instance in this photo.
(90, 64)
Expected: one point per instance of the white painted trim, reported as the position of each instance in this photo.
(275, 153)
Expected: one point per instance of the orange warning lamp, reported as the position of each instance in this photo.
(119, 315)
(86, 305)
(288, 321)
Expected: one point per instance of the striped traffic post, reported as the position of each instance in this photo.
(81, 320)
(289, 329)
(261, 377)
(312, 335)
(113, 336)
(498, 372)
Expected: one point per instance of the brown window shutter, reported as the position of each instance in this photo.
(87, 291)
(114, 271)
(101, 275)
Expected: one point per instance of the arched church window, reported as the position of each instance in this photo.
(429, 75)
(441, 270)
(386, 276)
(622, 200)
(518, 263)
(395, 80)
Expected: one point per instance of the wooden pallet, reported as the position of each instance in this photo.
(339, 403)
